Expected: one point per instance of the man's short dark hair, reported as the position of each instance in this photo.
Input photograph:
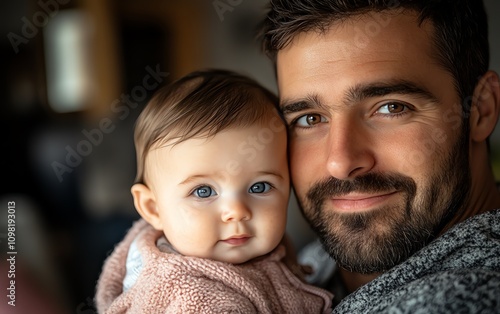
(461, 30)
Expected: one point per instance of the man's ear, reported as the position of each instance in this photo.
(485, 107)
(145, 204)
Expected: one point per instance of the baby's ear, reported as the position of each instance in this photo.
(145, 204)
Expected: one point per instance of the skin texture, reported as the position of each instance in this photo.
(231, 224)
(378, 143)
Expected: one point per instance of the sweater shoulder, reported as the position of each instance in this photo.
(472, 291)
(456, 269)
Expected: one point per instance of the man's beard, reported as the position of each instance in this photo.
(377, 240)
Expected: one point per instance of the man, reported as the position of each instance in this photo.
(390, 105)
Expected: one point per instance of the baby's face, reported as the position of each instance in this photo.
(223, 198)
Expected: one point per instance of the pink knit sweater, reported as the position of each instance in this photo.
(172, 283)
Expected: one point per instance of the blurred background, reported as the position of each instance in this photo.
(74, 77)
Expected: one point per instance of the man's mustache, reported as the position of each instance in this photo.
(368, 183)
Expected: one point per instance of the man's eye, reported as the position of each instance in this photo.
(260, 187)
(204, 191)
(309, 120)
(392, 108)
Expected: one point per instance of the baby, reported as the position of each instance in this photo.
(212, 189)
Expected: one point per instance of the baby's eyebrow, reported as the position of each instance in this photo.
(197, 177)
(272, 173)
(220, 176)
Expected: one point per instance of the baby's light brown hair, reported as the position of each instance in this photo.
(200, 105)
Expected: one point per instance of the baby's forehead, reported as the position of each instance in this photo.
(243, 145)
(270, 117)
(271, 123)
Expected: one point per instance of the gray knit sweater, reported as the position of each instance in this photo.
(459, 272)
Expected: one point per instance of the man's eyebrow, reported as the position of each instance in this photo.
(363, 91)
(359, 93)
(309, 102)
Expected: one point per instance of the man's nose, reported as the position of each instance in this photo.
(349, 150)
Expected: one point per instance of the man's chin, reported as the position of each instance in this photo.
(356, 259)
(369, 242)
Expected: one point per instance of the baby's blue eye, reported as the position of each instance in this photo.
(204, 191)
(260, 187)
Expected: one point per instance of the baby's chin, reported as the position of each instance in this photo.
(237, 258)
(233, 252)
(243, 256)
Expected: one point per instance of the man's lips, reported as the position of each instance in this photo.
(237, 239)
(360, 201)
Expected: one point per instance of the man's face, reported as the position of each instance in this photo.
(378, 150)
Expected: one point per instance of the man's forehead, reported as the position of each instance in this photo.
(357, 38)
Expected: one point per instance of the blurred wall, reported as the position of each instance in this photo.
(77, 214)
